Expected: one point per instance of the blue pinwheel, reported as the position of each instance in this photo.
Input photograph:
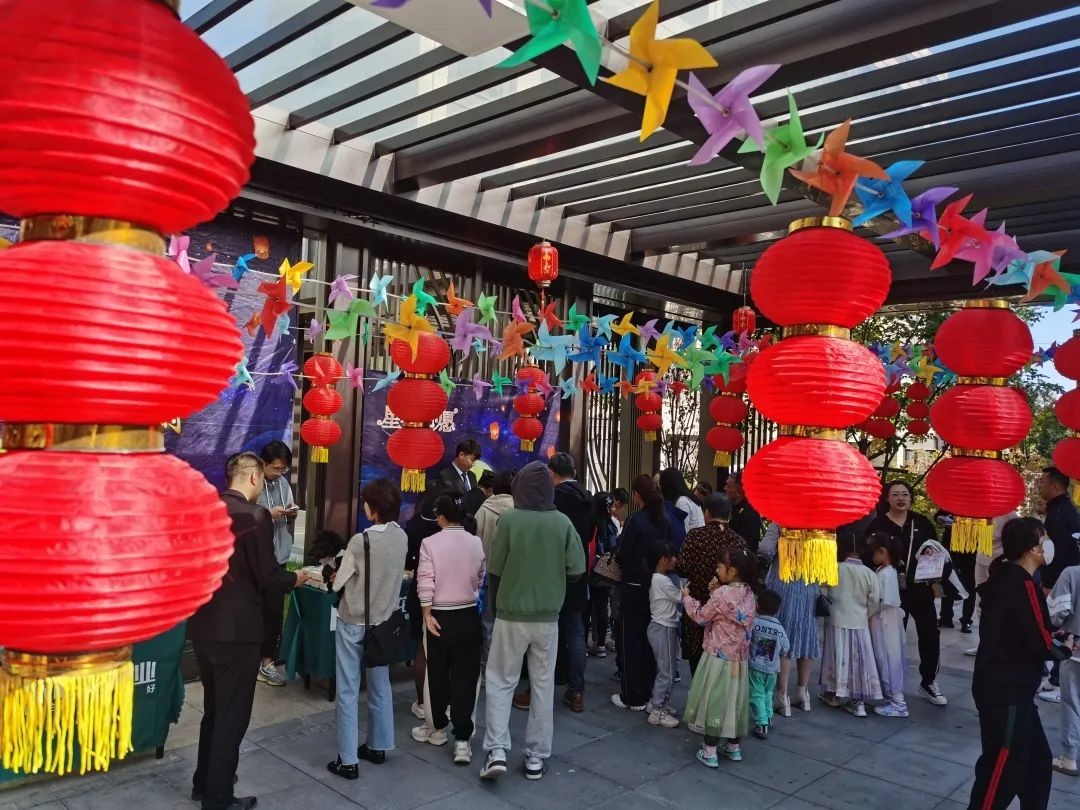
(879, 196)
(554, 348)
(568, 387)
(607, 384)
(589, 347)
(628, 357)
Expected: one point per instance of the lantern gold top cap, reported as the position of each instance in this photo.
(843, 223)
(987, 303)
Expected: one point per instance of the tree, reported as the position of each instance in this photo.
(681, 443)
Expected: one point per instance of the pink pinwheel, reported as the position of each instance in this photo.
(544, 384)
(178, 251)
(730, 113)
(204, 271)
(479, 387)
(924, 215)
(515, 310)
(354, 375)
(1006, 250)
(339, 288)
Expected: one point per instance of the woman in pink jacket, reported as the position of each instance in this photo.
(448, 581)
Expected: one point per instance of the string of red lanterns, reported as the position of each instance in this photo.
(1067, 409)
(728, 410)
(650, 421)
(417, 400)
(528, 405)
(322, 401)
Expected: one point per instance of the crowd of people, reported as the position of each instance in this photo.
(517, 578)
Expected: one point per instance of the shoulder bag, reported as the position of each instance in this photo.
(384, 642)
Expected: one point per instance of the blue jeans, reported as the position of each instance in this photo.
(349, 645)
(572, 652)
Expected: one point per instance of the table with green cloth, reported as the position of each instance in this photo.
(159, 693)
(307, 642)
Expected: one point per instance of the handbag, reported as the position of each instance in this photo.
(607, 569)
(822, 606)
(383, 643)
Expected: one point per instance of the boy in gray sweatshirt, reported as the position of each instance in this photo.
(1064, 604)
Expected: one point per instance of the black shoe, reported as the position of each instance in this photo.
(946, 624)
(349, 772)
(243, 803)
(371, 755)
(196, 794)
(965, 628)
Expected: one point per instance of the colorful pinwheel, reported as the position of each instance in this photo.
(879, 196)
(837, 169)
(785, 146)
(730, 113)
(570, 21)
(924, 214)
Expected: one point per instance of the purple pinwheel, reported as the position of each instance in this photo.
(465, 332)
(727, 341)
(924, 215)
(730, 112)
(479, 386)
(486, 4)
(339, 288)
(648, 331)
(286, 374)
(354, 375)
(661, 388)
(1006, 250)
(315, 328)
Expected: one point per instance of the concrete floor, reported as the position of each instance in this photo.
(602, 758)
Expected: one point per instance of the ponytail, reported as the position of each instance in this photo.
(745, 563)
(651, 498)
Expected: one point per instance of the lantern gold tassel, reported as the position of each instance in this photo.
(722, 458)
(320, 455)
(528, 445)
(972, 534)
(63, 709)
(413, 480)
(808, 555)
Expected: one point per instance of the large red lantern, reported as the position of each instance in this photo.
(650, 422)
(122, 126)
(528, 405)
(416, 447)
(817, 283)
(1067, 410)
(984, 343)
(543, 264)
(322, 402)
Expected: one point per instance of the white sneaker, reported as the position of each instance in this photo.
(804, 698)
(931, 692)
(418, 711)
(782, 705)
(429, 735)
(617, 702)
(271, 675)
(462, 752)
(891, 710)
(1053, 696)
(659, 717)
(972, 652)
(534, 768)
(494, 765)
(855, 707)
(1063, 764)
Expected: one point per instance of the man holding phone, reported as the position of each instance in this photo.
(277, 497)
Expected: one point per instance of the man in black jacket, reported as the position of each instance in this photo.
(576, 502)
(1014, 636)
(227, 631)
(1062, 524)
(745, 521)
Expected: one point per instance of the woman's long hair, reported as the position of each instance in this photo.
(650, 496)
(673, 485)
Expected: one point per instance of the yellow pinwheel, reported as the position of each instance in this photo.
(294, 273)
(664, 357)
(927, 370)
(409, 326)
(625, 325)
(655, 65)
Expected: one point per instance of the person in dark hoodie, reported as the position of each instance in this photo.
(574, 501)
(1014, 638)
(535, 553)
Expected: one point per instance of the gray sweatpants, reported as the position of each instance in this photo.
(1070, 708)
(509, 642)
(665, 646)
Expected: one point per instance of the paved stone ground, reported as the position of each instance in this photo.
(602, 758)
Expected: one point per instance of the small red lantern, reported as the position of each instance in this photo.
(1067, 409)
(650, 422)
(528, 406)
(744, 319)
(879, 428)
(917, 410)
(417, 400)
(888, 409)
(1067, 457)
(543, 264)
(918, 427)
(1067, 359)
(975, 488)
(918, 391)
(982, 416)
(322, 402)
(529, 429)
(985, 339)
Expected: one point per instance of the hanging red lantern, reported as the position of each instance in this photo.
(817, 284)
(729, 410)
(1067, 409)
(650, 425)
(1067, 359)
(984, 343)
(744, 320)
(1067, 457)
(918, 391)
(725, 442)
(528, 406)
(918, 427)
(649, 422)
(543, 264)
(417, 400)
(880, 428)
(917, 410)
(322, 402)
(888, 409)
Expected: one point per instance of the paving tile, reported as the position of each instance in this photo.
(1059, 800)
(311, 794)
(951, 805)
(476, 798)
(628, 762)
(262, 772)
(958, 748)
(813, 741)
(635, 800)
(697, 786)
(963, 793)
(842, 789)
(148, 793)
(403, 782)
(795, 803)
(891, 764)
(1066, 784)
(872, 728)
(566, 784)
(777, 769)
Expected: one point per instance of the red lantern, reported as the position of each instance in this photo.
(820, 275)
(725, 441)
(880, 428)
(820, 381)
(917, 410)
(650, 422)
(1067, 409)
(736, 379)
(118, 115)
(918, 391)
(543, 264)
(918, 427)
(1067, 359)
(984, 343)
(888, 409)
(728, 410)
(744, 319)
(985, 339)
(817, 283)
(528, 406)
(982, 416)
(1067, 457)
(322, 401)
(529, 429)
(417, 400)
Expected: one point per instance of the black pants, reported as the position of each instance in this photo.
(965, 570)
(638, 666)
(273, 613)
(453, 669)
(597, 614)
(1015, 759)
(918, 603)
(227, 670)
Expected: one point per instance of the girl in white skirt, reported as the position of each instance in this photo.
(849, 674)
(719, 698)
(887, 626)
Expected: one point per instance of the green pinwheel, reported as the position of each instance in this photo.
(550, 27)
(785, 146)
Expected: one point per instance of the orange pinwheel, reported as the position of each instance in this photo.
(454, 305)
(1045, 276)
(409, 326)
(513, 344)
(626, 388)
(837, 170)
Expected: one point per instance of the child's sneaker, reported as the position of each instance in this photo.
(761, 732)
(660, 717)
(855, 707)
(706, 760)
(733, 752)
(891, 710)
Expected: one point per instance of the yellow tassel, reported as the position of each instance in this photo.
(413, 480)
(650, 435)
(972, 534)
(528, 445)
(320, 455)
(808, 555)
(722, 458)
(55, 704)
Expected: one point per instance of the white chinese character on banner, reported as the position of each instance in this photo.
(445, 423)
(389, 421)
